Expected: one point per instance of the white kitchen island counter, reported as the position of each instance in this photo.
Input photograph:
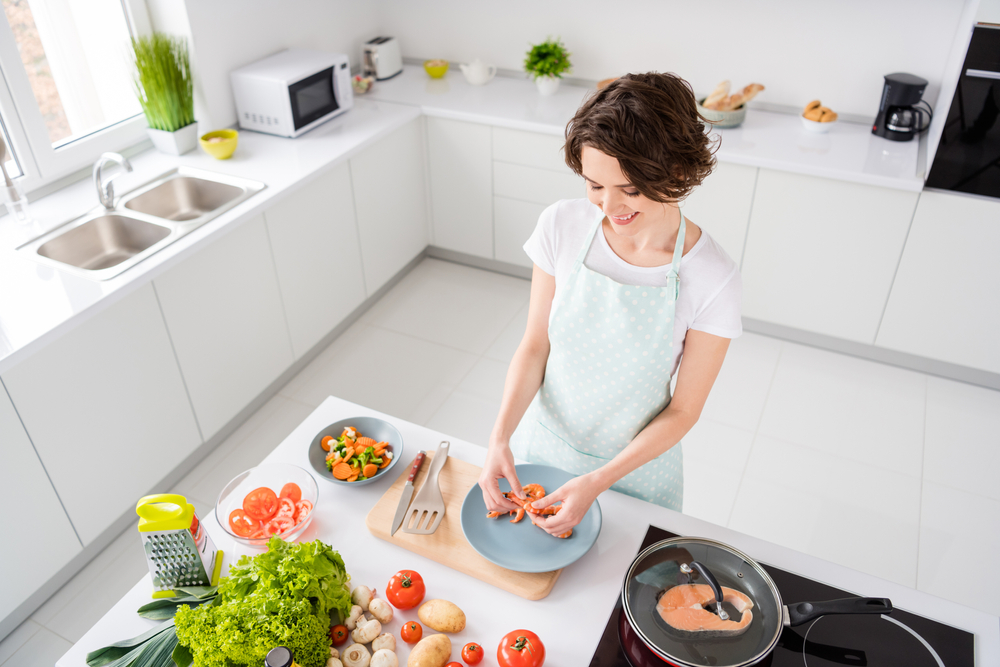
(849, 152)
(571, 619)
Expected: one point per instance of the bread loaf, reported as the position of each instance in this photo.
(717, 96)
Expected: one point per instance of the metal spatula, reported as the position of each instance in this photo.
(427, 509)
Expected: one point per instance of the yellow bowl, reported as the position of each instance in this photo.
(220, 150)
(435, 69)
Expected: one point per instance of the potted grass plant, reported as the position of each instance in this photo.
(162, 82)
(546, 63)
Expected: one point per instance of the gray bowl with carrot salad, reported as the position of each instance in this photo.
(357, 450)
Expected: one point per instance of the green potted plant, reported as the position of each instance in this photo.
(546, 63)
(162, 82)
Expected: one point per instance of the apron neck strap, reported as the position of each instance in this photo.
(675, 266)
(585, 248)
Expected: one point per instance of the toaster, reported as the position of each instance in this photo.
(381, 58)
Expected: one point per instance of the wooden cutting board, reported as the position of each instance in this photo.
(447, 545)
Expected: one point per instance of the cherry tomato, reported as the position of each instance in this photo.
(241, 524)
(286, 507)
(291, 490)
(521, 648)
(454, 664)
(261, 504)
(302, 510)
(411, 632)
(405, 589)
(472, 653)
(338, 635)
(325, 442)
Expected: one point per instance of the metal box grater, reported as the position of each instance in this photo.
(178, 549)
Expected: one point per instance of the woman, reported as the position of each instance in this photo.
(622, 285)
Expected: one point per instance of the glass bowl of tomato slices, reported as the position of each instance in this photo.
(271, 499)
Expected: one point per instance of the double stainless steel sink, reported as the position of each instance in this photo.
(106, 242)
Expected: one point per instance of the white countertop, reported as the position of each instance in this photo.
(38, 302)
(849, 152)
(571, 619)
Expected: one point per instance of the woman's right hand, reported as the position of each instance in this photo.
(499, 464)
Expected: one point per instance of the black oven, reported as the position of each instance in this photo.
(968, 156)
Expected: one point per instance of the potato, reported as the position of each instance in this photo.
(442, 616)
(433, 651)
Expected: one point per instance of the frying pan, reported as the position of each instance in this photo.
(683, 560)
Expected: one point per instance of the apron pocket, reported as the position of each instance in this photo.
(547, 448)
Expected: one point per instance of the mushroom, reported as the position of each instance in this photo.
(334, 653)
(357, 614)
(356, 655)
(386, 640)
(362, 596)
(366, 631)
(334, 662)
(384, 658)
(381, 610)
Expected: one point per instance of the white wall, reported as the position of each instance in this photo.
(226, 34)
(835, 51)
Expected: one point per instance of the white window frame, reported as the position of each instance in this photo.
(41, 164)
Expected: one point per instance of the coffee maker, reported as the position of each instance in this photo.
(899, 119)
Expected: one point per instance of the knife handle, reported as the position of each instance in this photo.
(416, 466)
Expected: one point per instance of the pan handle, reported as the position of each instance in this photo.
(802, 612)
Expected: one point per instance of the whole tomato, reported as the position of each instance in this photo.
(472, 653)
(411, 632)
(338, 635)
(454, 664)
(405, 589)
(521, 648)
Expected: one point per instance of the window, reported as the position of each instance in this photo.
(68, 95)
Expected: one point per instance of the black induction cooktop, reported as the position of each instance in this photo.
(900, 639)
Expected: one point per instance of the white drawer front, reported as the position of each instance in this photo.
(540, 186)
(529, 149)
(513, 223)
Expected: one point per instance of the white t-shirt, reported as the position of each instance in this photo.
(710, 285)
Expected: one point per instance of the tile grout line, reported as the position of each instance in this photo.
(920, 500)
(756, 432)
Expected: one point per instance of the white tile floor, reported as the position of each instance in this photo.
(885, 470)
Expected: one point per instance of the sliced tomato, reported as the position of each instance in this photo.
(278, 525)
(241, 524)
(261, 504)
(291, 490)
(303, 509)
(286, 507)
(258, 534)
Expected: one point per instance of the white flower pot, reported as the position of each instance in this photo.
(175, 143)
(547, 85)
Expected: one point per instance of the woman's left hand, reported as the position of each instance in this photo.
(577, 495)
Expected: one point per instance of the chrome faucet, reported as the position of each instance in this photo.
(105, 189)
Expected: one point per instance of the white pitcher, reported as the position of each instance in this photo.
(478, 73)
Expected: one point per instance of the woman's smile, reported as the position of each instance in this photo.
(624, 219)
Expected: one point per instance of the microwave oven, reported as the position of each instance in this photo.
(292, 92)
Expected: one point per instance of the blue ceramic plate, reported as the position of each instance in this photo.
(372, 427)
(521, 546)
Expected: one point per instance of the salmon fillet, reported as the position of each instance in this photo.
(683, 609)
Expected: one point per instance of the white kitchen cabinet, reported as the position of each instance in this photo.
(46, 540)
(223, 309)
(531, 149)
(821, 254)
(721, 205)
(515, 220)
(106, 409)
(461, 173)
(944, 302)
(390, 203)
(317, 256)
(540, 186)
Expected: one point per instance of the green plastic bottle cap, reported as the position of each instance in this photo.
(278, 657)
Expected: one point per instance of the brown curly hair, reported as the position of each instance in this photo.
(650, 124)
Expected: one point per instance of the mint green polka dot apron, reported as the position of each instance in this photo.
(607, 376)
